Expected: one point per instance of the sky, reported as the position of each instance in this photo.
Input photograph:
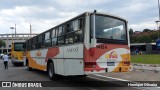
(45, 14)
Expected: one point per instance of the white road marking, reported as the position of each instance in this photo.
(118, 79)
(110, 77)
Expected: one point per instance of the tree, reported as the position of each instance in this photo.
(147, 30)
(130, 31)
(2, 43)
(144, 39)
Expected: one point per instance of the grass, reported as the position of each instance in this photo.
(146, 59)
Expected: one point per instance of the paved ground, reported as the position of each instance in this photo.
(138, 75)
(20, 73)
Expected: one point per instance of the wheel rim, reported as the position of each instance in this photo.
(50, 70)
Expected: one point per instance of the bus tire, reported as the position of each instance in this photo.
(51, 71)
(14, 64)
(84, 75)
(29, 68)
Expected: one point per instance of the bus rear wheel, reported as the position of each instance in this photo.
(51, 71)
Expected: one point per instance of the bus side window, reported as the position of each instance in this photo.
(26, 45)
(34, 42)
(39, 44)
(74, 31)
(43, 41)
(81, 23)
(69, 27)
(70, 38)
(31, 42)
(54, 37)
(78, 36)
(61, 40)
(60, 36)
(47, 39)
(79, 32)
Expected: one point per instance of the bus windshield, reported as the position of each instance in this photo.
(110, 28)
(18, 47)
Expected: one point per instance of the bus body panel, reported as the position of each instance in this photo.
(74, 67)
(73, 51)
(107, 58)
(67, 67)
(64, 58)
(34, 61)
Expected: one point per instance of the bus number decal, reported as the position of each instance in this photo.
(101, 46)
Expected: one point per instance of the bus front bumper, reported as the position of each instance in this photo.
(17, 61)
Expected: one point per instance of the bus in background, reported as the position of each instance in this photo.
(158, 44)
(17, 53)
(87, 44)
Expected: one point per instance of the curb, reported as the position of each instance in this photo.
(149, 67)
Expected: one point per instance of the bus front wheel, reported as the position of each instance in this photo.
(51, 71)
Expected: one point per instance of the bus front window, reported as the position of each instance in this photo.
(18, 47)
(110, 28)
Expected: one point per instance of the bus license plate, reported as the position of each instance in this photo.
(110, 63)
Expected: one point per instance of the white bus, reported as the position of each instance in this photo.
(87, 44)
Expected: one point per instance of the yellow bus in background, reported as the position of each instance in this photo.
(17, 53)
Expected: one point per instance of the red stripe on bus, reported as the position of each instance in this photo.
(52, 52)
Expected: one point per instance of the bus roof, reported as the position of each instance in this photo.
(85, 13)
(111, 15)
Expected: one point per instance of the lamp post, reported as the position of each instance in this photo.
(12, 32)
(159, 9)
(159, 19)
(158, 27)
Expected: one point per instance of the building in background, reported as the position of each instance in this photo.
(9, 38)
(145, 48)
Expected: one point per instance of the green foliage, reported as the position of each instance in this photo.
(130, 31)
(2, 43)
(147, 30)
(146, 59)
(145, 38)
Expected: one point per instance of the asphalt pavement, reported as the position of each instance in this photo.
(20, 73)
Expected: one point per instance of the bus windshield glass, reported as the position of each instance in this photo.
(18, 47)
(110, 28)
